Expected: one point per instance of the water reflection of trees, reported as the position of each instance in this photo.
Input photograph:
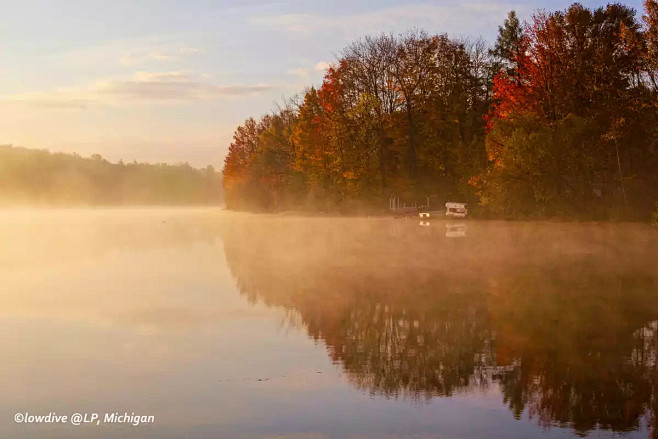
(576, 352)
(561, 317)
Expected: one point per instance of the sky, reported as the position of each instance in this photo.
(169, 81)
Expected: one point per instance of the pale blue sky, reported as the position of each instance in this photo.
(170, 80)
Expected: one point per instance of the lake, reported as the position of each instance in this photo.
(227, 325)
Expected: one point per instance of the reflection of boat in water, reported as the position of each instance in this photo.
(456, 230)
(453, 229)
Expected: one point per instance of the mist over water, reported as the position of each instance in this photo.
(263, 326)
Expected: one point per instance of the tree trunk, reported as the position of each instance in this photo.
(621, 176)
(411, 148)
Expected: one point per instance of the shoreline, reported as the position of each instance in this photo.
(4, 209)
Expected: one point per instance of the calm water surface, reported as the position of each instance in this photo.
(237, 326)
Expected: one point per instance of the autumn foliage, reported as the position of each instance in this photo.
(572, 130)
(557, 118)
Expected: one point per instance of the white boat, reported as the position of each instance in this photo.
(456, 210)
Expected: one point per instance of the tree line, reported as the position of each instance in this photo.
(558, 118)
(29, 176)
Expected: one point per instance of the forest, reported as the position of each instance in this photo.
(38, 177)
(557, 118)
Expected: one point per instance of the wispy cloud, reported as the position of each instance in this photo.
(300, 72)
(157, 53)
(144, 53)
(141, 87)
(452, 17)
(306, 72)
(322, 66)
